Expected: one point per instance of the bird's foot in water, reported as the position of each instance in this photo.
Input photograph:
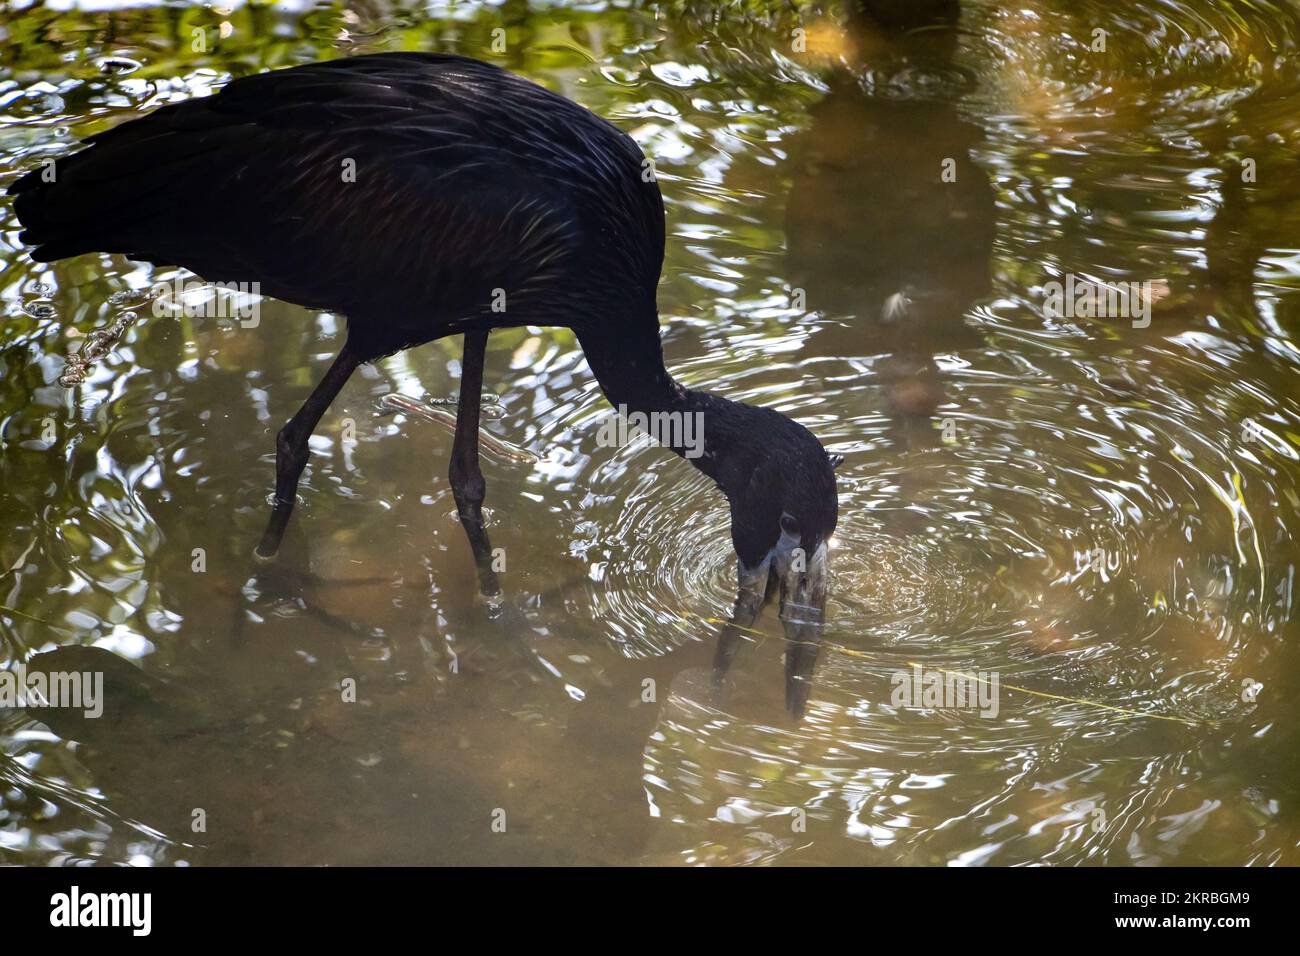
(275, 587)
(493, 602)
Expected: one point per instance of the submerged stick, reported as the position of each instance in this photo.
(497, 447)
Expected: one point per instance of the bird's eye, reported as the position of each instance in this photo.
(789, 525)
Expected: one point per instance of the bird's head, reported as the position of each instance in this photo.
(782, 519)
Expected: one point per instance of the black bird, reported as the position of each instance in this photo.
(427, 195)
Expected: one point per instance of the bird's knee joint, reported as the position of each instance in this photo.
(289, 451)
(468, 486)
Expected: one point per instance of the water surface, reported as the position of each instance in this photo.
(1103, 514)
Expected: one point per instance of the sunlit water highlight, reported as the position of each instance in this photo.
(1103, 514)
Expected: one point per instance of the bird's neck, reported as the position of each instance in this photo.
(705, 429)
(631, 372)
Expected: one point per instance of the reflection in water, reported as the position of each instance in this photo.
(1113, 522)
(884, 157)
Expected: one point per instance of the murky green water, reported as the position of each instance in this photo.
(1102, 513)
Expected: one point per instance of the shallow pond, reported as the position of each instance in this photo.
(864, 222)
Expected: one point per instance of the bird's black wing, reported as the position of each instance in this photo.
(370, 184)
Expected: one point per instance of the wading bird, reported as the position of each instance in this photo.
(426, 195)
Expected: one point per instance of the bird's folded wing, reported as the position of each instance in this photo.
(323, 183)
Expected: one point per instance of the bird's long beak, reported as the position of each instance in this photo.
(803, 610)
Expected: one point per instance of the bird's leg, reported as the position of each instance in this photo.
(467, 483)
(291, 448)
